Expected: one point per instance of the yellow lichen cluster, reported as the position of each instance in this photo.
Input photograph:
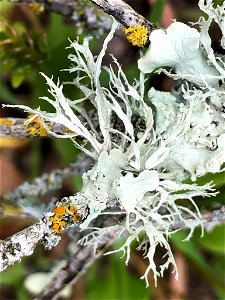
(37, 8)
(137, 35)
(7, 122)
(35, 127)
(63, 217)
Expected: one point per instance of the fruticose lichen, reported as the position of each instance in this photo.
(139, 170)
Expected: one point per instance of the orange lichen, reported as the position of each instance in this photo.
(60, 210)
(64, 215)
(73, 208)
(34, 126)
(137, 35)
(57, 223)
(76, 218)
(56, 228)
(67, 130)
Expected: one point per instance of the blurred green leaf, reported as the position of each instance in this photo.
(17, 78)
(4, 4)
(7, 95)
(13, 274)
(22, 51)
(13, 277)
(66, 150)
(116, 282)
(193, 254)
(22, 294)
(157, 11)
(217, 178)
(218, 2)
(213, 241)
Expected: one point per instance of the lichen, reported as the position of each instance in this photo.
(140, 172)
(7, 122)
(137, 35)
(66, 212)
(179, 47)
(35, 126)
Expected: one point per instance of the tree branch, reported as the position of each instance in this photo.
(76, 265)
(26, 128)
(48, 181)
(91, 18)
(48, 228)
(214, 218)
(80, 261)
(85, 16)
(123, 13)
(21, 244)
(38, 187)
(18, 127)
(68, 211)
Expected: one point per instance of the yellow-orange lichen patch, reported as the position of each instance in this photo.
(34, 126)
(57, 223)
(76, 218)
(60, 210)
(73, 208)
(56, 228)
(67, 130)
(64, 216)
(9, 209)
(137, 35)
(7, 122)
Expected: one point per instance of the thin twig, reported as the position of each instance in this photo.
(123, 13)
(79, 262)
(76, 265)
(120, 10)
(211, 218)
(24, 128)
(62, 7)
(21, 244)
(18, 202)
(19, 127)
(214, 217)
(84, 15)
(68, 211)
(48, 181)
